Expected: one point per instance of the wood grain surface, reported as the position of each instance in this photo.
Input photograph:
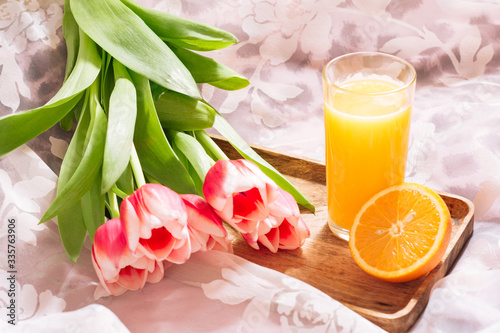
(325, 262)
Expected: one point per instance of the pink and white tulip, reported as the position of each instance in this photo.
(205, 227)
(117, 268)
(155, 223)
(283, 229)
(240, 193)
(158, 227)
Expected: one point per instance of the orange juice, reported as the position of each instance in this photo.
(367, 124)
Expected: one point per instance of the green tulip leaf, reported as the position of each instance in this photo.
(207, 70)
(193, 151)
(183, 113)
(76, 147)
(72, 230)
(93, 208)
(71, 36)
(156, 156)
(125, 36)
(18, 128)
(85, 173)
(121, 123)
(125, 184)
(182, 32)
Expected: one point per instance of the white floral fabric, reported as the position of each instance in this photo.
(283, 46)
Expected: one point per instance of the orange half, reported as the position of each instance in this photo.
(401, 233)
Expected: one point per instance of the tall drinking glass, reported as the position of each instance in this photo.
(368, 99)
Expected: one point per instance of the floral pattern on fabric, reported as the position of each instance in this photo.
(283, 46)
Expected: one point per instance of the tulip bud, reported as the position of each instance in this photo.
(117, 268)
(155, 223)
(205, 227)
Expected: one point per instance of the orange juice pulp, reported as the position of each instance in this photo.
(366, 144)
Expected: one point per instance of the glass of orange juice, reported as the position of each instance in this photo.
(368, 98)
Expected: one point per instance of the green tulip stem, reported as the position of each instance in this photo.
(210, 146)
(136, 168)
(118, 192)
(114, 208)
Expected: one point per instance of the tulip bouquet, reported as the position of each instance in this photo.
(141, 176)
(156, 227)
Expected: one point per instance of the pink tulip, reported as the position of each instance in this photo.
(283, 229)
(205, 227)
(155, 223)
(117, 268)
(240, 193)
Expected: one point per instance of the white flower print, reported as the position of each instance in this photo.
(23, 199)
(22, 22)
(281, 27)
(297, 304)
(26, 225)
(30, 303)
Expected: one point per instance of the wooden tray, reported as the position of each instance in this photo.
(325, 262)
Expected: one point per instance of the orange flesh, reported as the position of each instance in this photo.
(401, 235)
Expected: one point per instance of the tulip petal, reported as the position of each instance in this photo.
(99, 273)
(231, 178)
(214, 192)
(250, 205)
(245, 226)
(198, 240)
(110, 241)
(159, 245)
(201, 216)
(180, 255)
(157, 274)
(284, 205)
(155, 219)
(266, 225)
(293, 237)
(110, 247)
(205, 226)
(204, 242)
(222, 244)
(251, 240)
(167, 206)
(143, 262)
(132, 278)
(130, 220)
(117, 266)
(271, 240)
(115, 289)
(109, 285)
(288, 236)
